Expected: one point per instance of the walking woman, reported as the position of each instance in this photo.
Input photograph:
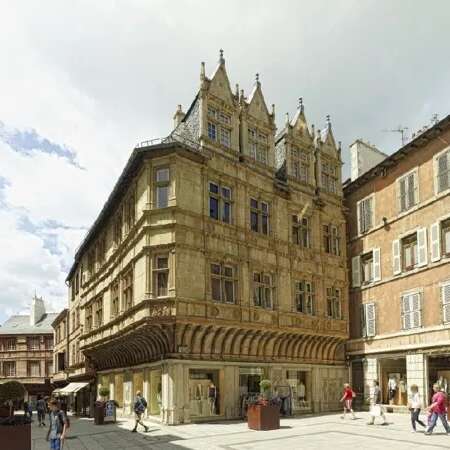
(376, 410)
(347, 398)
(414, 405)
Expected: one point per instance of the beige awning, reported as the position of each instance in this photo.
(71, 388)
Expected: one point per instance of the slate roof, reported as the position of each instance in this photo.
(21, 325)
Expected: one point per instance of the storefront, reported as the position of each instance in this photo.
(393, 381)
(190, 391)
(439, 372)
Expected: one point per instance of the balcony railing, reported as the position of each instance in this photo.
(171, 139)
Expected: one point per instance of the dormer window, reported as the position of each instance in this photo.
(219, 126)
(329, 177)
(258, 145)
(299, 165)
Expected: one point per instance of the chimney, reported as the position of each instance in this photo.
(37, 310)
(363, 156)
(178, 116)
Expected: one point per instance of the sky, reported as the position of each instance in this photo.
(82, 82)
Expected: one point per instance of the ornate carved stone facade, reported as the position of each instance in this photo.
(216, 261)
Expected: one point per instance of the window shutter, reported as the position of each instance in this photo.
(396, 262)
(435, 241)
(406, 310)
(442, 172)
(359, 216)
(370, 319)
(411, 190)
(376, 264)
(368, 213)
(402, 194)
(416, 312)
(422, 250)
(356, 271)
(445, 295)
(363, 321)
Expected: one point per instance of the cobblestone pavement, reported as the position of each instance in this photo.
(311, 432)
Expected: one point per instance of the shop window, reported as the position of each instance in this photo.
(334, 307)
(204, 392)
(162, 182)
(299, 381)
(219, 202)
(411, 311)
(259, 216)
(304, 297)
(301, 231)
(223, 283)
(161, 275)
(263, 289)
(155, 392)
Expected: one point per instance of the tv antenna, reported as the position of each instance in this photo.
(401, 130)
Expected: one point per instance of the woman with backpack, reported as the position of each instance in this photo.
(140, 404)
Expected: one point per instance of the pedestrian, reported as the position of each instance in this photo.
(414, 405)
(438, 410)
(58, 426)
(25, 409)
(30, 410)
(41, 408)
(376, 410)
(347, 398)
(140, 404)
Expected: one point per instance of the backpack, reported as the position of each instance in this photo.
(61, 417)
(140, 405)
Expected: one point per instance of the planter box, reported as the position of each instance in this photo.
(263, 417)
(16, 437)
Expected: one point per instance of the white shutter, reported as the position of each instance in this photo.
(356, 271)
(369, 213)
(445, 295)
(416, 318)
(358, 216)
(435, 241)
(406, 311)
(396, 262)
(376, 267)
(370, 319)
(422, 248)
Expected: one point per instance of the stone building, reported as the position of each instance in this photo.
(218, 260)
(398, 238)
(26, 349)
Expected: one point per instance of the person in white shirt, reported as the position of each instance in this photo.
(414, 405)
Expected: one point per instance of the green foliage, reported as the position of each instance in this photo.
(265, 385)
(11, 390)
(103, 391)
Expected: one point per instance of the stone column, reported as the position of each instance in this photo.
(416, 374)
(173, 394)
(370, 374)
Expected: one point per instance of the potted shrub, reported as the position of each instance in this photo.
(104, 393)
(99, 410)
(264, 414)
(15, 430)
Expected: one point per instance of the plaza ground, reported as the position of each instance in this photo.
(311, 432)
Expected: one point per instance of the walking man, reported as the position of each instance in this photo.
(438, 410)
(58, 426)
(376, 410)
(140, 404)
(41, 409)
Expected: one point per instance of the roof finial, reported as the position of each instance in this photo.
(237, 90)
(221, 58)
(257, 78)
(287, 119)
(273, 109)
(328, 121)
(300, 104)
(202, 70)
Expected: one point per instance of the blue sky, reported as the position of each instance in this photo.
(82, 82)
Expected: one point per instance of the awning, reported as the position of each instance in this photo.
(71, 388)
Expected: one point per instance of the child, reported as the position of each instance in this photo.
(414, 405)
(347, 398)
(58, 425)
